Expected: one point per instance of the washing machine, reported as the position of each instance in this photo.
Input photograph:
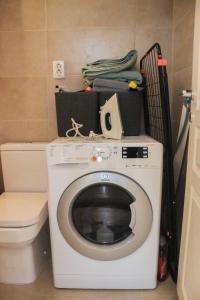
(104, 212)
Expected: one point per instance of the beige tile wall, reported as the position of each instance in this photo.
(183, 30)
(33, 33)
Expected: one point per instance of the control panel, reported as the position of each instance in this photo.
(134, 152)
(101, 152)
(108, 155)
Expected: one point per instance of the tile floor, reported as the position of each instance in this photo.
(43, 289)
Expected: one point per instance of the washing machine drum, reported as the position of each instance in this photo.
(105, 215)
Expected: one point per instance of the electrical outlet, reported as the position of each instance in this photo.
(58, 69)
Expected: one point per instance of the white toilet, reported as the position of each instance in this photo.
(24, 237)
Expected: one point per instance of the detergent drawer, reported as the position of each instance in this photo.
(130, 104)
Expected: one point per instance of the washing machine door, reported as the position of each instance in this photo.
(105, 215)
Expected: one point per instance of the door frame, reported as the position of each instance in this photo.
(185, 239)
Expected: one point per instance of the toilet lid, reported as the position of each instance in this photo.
(22, 209)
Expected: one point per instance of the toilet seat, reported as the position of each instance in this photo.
(22, 215)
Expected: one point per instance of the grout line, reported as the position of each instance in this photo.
(25, 120)
(182, 18)
(23, 30)
(23, 77)
(175, 72)
(172, 54)
(45, 14)
(46, 78)
(90, 28)
(135, 32)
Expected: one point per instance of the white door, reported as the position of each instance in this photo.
(189, 265)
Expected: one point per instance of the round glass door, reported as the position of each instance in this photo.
(104, 215)
(101, 213)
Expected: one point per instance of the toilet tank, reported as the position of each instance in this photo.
(24, 167)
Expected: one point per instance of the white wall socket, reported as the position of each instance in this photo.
(58, 69)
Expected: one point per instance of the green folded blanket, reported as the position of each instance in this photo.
(120, 76)
(113, 69)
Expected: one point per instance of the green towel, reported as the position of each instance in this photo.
(120, 76)
(105, 66)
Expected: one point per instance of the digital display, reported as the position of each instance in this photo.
(134, 152)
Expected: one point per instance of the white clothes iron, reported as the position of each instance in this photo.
(110, 118)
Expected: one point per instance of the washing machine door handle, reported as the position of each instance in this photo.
(133, 216)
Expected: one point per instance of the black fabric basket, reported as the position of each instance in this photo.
(84, 108)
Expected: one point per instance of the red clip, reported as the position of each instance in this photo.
(162, 62)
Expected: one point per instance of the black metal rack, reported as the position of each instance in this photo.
(158, 126)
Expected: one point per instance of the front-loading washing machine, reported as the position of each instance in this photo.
(104, 212)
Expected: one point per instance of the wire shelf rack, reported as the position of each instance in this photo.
(158, 126)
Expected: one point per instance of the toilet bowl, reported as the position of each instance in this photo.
(24, 238)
